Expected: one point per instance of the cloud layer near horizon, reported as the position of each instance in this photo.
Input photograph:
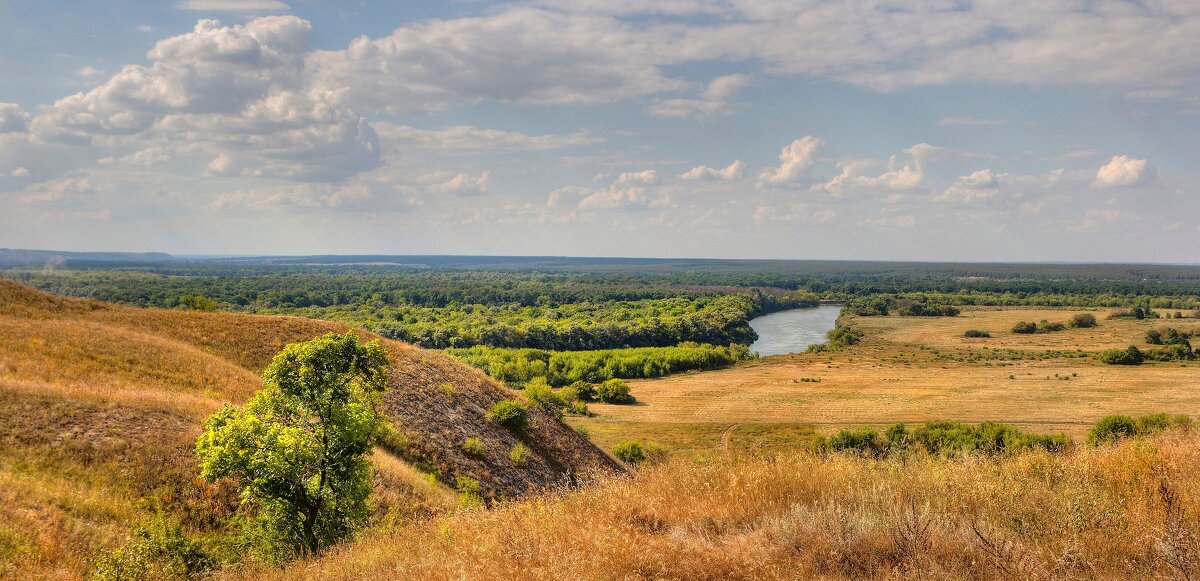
(228, 122)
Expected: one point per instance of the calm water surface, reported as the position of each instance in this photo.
(792, 331)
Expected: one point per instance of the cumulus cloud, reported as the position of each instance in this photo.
(58, 190)
(900, 175)
(795, 159)
(733, 171)
(1123, 170)
(468, 138)
(713, 99)
(13, 119)
(224, 89)
(463, 185)
(977, 186)
(19, 172)
(518, 55)
(645, 177)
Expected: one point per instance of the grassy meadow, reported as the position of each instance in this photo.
(913, 369)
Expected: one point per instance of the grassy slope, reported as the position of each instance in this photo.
(102, 403)
(1128, 511)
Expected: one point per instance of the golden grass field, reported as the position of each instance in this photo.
(1123, 512)
(912, 369)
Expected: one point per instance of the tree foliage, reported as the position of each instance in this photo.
(298, 449)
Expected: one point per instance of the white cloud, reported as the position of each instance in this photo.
(13, 119)
(518, 55)
(977, 186)
(57, 190)
(645, 177)
(1123, 170)
(468, 138)
(235, 5)
(688, 108)
(723, 87)
(89, 72)
(19, 172)
(795, 159)
(463, 185)
(900, 175)
(733, 171)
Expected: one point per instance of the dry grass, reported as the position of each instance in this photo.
(1122, 512)
(102, 405)
(913, 369)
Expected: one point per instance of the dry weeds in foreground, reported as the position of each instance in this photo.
(1120, 512)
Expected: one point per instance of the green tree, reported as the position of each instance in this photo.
(299, 447)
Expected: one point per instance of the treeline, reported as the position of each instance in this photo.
(717, 320)
(517, 367)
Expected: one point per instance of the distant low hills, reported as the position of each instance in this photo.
(13, 257)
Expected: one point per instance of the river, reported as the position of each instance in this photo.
(792, 331)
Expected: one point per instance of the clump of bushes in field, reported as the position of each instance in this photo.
(511, 414)
(976, 333)
(837, 338)
(1134, 313)
(1082, 321)
(1117, 427)
(869, 306)
(635, 453)
(516, 367)
(1176, 345)
(1129, 356)
(614, 391)
(1043, 326)
(940, 438)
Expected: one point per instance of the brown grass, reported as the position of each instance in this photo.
(1122, 512)
(913, 369)
(102, 405)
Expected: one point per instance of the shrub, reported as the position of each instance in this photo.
(1129, 356)
(976, 333)
(510, 414)
(1045, 326)
(160, 551)
(1154, 337)
(1082, 321)
(542, 395)
(1024, 328)
(1111, 429)
(470, 491)
(474, 447)
(614, 391)
(584, 390)
(863, 441)
(519, 454)
(629, 452)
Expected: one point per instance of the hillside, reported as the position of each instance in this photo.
(102, 404)
(1114, 512)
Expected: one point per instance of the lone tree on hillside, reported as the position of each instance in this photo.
(298, 448)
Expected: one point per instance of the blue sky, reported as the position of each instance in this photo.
(929, 130)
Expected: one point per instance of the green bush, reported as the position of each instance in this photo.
(1129, 356)
(864, 441)
(470, 491)
(629, 452)
(584, 390)
(614, 391)
(1082, 321)
(511, 414)
(976, 333)
(160, 551)
(474, 447)
(1111, 429)
(1025, 328)
(540, 394)
(520, 454)
(1045, 326)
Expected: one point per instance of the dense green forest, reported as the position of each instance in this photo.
(519, 366)
(589, 319)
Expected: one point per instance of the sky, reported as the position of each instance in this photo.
(998, 130)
